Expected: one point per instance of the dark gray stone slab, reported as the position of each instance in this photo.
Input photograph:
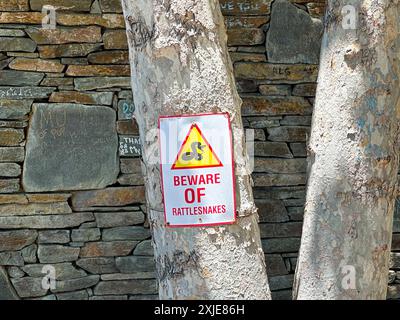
(144, 248)
(11, 258)
(20, 78)
(76, 284)
(64, 271)
(133, 264)
(6, 290)
(17, 239)
(98, 265)
(76, 295)
(14, 109)
(67, 5)
(57, 253)
(293, 36)
(54, 236)
(126, 287)
(17, 44)
(28, 287)
(45, 222)
(126, 233)
(70, 147)
(92, 83)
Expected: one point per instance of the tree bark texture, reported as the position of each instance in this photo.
(353, 157)
(180, 65)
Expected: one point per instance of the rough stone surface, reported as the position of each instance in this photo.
(280, 165)
(16, 240)
(271, 210)
(76, 284)
(126, 287)
(86, 235)
(20, 78)
(80, 142)
(14, 5)
(144, 248)
(91, 98)
(271, 179)
(245, 37)
(266, 105)
(12, 258)
(9, 185)
(280, 230)
(63, 35)
(54, 236)
(272, 149)
(92, 83)
(67, 50)
(115, 39)
(64, 271)
(107, 249)
(11, 137)
(293, 36)
(275, 265)
(109, 57)
(97, 70)
(17, 44)
(130, 165)
(75, 295)
(9, 170)
(108, 197)
(98, 265)
(281, 245)
(28, 287)
(110, 6)
(135, 264)
(14, 109)
(117, 219)
(38, 65)
(106, 20)
(29, 253)
(125, 233)
(57, 253)
(290, 134)
(45, 222)
(7, 292)
(31, 209)
(276, 73)
(70, 5)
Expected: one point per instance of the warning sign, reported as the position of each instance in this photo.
(197, 170)
(196, 152)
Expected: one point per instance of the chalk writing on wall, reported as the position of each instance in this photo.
(129, 146)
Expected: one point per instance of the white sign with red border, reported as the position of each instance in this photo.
(197, 170)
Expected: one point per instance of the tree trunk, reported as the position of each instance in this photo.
(180, 65)
(353, 157)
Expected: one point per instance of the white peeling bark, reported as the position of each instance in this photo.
(354, 157)
(180, 65)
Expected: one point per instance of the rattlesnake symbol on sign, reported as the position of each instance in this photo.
(194, 154)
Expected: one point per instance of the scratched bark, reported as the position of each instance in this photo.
(353, 157)
(180, 65)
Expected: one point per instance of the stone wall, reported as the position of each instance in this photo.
(71, 191)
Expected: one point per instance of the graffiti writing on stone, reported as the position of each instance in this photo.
(129, 146)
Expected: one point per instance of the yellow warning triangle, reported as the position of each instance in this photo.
(196, 152)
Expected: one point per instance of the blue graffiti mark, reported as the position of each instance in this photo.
(361, 123)
(128, 109)
(372, 103)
